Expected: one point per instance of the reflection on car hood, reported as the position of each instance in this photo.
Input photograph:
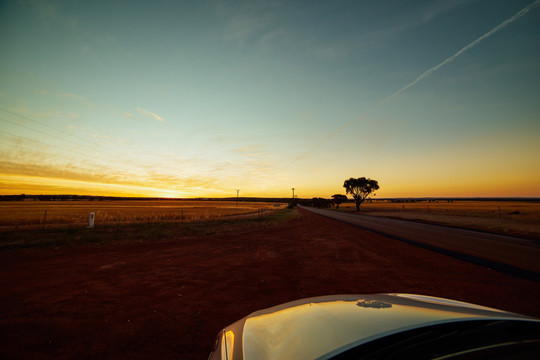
(311, 328)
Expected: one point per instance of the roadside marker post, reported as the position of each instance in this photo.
(91, 221)
(44, 219)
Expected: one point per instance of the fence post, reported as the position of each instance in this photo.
(91, 220)
(44, 219)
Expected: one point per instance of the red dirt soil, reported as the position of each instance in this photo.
(169, 299)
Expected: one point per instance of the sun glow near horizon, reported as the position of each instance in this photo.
(16, 185)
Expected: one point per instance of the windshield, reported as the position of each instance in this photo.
(461, 340)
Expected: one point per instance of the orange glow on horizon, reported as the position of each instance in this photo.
(15, 185)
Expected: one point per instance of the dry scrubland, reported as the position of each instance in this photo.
(28, 214)
(504, 217)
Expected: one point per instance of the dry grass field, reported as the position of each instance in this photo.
(27, 214)
(503, 217)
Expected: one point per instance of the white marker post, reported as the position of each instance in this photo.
(91, 221)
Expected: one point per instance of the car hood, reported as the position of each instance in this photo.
(317, 327)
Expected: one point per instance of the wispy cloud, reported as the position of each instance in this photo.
(47, 113)
(73, 116)
(109, 140)
(69, 96)
(252, 22)
(65, 97)
(73, 127)
(389, 23)
(148, 180)
(424, 75)
(150, 114)
(471, 45)
(430, 11)
(248, 149)
(52, 16)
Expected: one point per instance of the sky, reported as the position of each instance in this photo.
(435, 98)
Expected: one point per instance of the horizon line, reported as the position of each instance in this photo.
(203, 198)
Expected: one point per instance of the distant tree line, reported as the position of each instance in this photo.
(335, 201)
(360, 188)
(23, 197)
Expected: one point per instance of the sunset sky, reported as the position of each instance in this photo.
(200, 98)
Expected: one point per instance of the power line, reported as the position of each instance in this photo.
(75, 166)
(44, 124)
(39, 131)
(56, 136)
(86, 163)
(41, 123)
(51, 145)
(64, 132)
(63, 138)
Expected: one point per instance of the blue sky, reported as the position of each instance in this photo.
(178, 98)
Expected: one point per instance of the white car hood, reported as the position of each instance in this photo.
(312, 328)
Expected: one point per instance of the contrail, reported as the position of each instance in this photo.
(422, 76)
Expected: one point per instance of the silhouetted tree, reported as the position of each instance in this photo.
(321, 203)
(360, 189)
(338, 199)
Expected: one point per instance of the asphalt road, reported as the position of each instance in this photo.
(512, 255)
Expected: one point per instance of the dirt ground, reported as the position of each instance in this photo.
(169, 299)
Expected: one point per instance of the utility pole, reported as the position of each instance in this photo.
(293, 193)
(237, 191)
